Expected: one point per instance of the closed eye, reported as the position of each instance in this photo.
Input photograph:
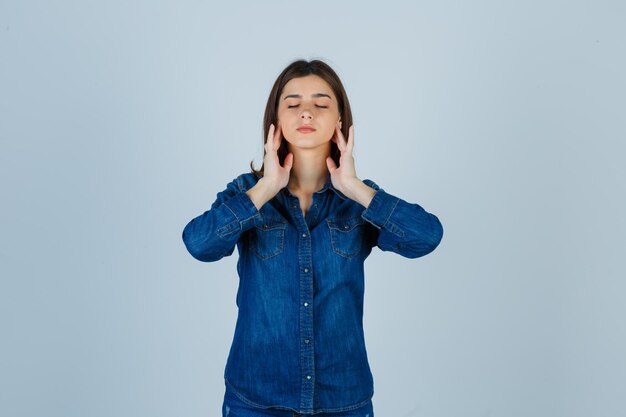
(296, 105)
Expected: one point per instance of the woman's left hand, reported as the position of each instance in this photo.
(344, 176)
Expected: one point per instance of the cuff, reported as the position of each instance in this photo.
(244, 210)
(380, 208)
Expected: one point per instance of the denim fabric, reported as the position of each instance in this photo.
(298, 342)
(233, 406)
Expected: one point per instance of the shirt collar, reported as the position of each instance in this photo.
(327, 185)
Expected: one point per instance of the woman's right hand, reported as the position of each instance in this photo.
(275, 176)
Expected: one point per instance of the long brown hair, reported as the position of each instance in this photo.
(302, 68)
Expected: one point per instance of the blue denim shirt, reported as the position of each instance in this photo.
(299, 341)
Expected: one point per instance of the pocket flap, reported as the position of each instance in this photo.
(345, 225)
(272, 223)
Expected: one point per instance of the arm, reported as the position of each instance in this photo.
(214, 234)
(404, 228)
(401, 227)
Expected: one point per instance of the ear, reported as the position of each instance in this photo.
(339, 123)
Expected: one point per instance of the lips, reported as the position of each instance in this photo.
(306, 128)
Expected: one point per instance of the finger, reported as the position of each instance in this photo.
(268, 141)
(277, 137)
(341, 142)
(350, 144)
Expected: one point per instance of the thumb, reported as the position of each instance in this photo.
(288, 163)
(331, 164)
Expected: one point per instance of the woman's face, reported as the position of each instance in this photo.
(309, 101)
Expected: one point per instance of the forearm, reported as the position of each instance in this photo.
(403, 227)
(213, 234)
(360, 192)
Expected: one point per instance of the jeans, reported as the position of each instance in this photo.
(234, 407)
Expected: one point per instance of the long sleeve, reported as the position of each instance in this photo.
(214, 234)
(404, 228)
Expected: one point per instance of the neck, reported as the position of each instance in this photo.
(309, 171)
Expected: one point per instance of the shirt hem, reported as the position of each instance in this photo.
(314, 411)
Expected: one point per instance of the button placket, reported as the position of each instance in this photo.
(307, 354)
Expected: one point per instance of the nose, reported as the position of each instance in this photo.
(306, 114)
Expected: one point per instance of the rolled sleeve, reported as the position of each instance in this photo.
(244, 210)
(380, 208)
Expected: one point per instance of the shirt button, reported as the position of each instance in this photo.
(346, 226)
(306, 304)
(306, 340)
(308, 377)
(306, 269)
(303, 234)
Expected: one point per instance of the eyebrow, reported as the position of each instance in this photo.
(314, 95)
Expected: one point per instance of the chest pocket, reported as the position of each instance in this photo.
(268, 239)
(347, 236)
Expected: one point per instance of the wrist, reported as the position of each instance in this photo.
(360, 192)
(267, 188)
(261, 193)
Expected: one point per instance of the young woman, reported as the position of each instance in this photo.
(303, 225)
